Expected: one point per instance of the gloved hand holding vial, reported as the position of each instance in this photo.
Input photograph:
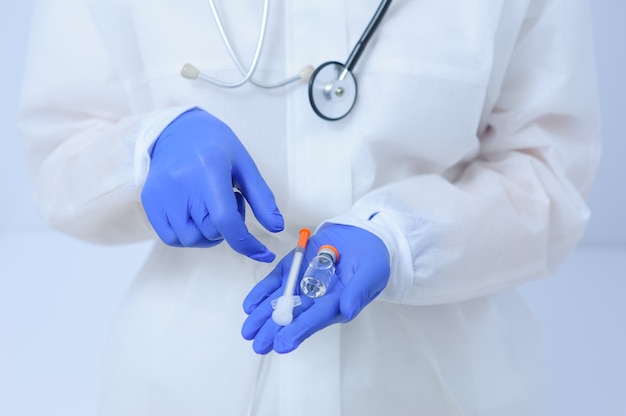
(360, 275)
(314, 283)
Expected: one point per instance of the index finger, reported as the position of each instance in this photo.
(222, 205)
(364, 286)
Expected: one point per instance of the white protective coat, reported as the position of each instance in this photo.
(474, 138)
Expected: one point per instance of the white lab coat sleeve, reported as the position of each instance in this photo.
(517, 209)
(86, 150)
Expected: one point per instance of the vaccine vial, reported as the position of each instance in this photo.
(318, 275)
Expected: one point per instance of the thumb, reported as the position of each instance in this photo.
(363, 287)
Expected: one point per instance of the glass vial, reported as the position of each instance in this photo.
(317, 276)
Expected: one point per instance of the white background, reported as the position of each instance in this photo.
(57, 294)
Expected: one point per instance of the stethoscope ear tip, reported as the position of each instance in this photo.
(189, 71)
(306, 73)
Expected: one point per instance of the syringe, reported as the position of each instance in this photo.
(283, 306)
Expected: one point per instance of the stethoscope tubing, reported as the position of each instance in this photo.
(247, 74)
(340, 91)
(367, 35)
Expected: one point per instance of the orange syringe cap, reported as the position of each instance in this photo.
(304, 237)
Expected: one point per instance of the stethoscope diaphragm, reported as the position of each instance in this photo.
(332, 91)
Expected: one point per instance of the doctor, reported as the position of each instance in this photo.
(459, 173)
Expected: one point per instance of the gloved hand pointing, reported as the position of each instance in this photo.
(191, 195)
(362, 273)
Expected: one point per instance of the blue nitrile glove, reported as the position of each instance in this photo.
(362, 272)
(190, 195)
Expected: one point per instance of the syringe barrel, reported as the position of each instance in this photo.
(294, 270)
(283, 306)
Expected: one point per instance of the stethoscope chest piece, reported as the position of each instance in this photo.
(332, 86)
(332, 91)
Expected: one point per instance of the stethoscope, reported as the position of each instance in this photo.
(332, 85)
